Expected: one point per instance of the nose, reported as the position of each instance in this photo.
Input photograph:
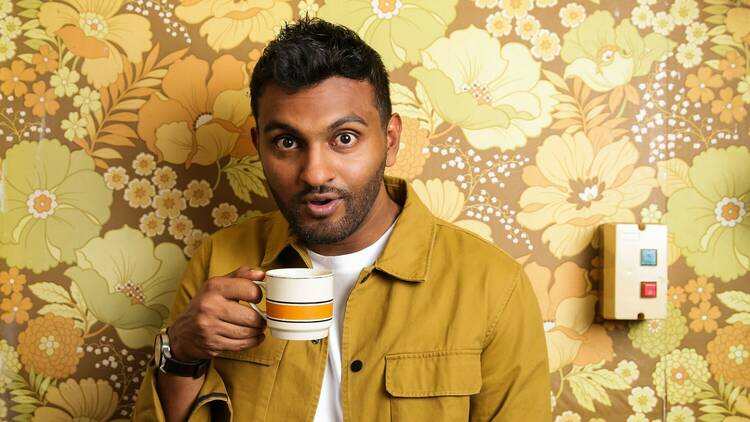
(317, 168)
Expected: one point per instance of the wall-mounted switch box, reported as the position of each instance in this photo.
(635, 271)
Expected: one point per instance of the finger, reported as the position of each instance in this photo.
(236, 332)
(236, 289)
(242, 268)
(247, 272)
(235, 345)
(237, 314)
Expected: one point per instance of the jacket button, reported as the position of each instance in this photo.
(356, 366)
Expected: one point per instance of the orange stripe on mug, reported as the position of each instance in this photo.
(303, 312)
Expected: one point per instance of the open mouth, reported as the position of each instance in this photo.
(322, 207)
(321, 201)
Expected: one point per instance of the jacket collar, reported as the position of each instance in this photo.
(408, 251)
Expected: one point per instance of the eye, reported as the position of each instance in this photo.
(346, 138)
(285, 143)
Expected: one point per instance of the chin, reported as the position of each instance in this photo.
(323, 232)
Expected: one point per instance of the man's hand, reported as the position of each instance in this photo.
(215, 321)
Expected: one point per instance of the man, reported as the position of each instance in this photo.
(432, 323)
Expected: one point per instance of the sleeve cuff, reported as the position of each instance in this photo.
(212, 403)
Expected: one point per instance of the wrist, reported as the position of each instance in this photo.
(169, 362)
(178, 351)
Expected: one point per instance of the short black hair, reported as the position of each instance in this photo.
(311, 50)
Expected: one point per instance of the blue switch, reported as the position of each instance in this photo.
(648, 257)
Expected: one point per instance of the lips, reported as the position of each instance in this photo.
(321, 205)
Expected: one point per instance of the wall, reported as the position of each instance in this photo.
(125, 142)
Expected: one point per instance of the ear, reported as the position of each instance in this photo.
(392, 139)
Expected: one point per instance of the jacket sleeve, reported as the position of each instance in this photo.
(212, 403)
(515, 374)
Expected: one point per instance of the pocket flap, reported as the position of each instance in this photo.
(429, 374)
(267, 353)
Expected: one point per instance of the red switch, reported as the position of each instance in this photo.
(648, 289)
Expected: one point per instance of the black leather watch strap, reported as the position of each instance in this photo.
(185, 369)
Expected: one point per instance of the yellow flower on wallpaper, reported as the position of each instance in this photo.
(224, 215)
(9, 364)
(492, 92)
(41, 100)
(568, 305)
(397, 29)
(732, 66)
(605, 57)
(729, 107)
(410, 160)
(703, 317)
(84, 400)
(45, 60)
(446, 201)
(151, 224)
(230, 22)
(701, 85)
(685, 370)
(94, 31)
(14, 78)
(180, 227)
(169, 203)
(657, 337)
(709, 218)
(128, 282)
(51, 345)
(15, 308)
(199, 119)
(699, 290)
(738, 23)
(573, 189)
(729, 354)
(51, 208)
(139, 193)
(515, 8)
(198, 193)
(11, 281)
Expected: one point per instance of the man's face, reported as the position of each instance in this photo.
(323, 151)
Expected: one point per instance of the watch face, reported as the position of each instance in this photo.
(157, 351)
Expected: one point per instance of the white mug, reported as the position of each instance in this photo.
(299, 303)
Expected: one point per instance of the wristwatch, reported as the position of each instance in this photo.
(169, 365)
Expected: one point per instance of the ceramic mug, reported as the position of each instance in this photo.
(299, 303)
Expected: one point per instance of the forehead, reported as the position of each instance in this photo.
(319, 104)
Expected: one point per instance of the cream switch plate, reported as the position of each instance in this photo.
(635, 271)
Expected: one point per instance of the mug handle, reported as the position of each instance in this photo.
(262, 285)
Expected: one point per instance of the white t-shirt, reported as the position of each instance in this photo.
(346, 270)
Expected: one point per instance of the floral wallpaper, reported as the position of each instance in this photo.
(124, 142)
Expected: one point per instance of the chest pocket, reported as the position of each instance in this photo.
(432, 386)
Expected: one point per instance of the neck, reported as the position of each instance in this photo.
(381, 216)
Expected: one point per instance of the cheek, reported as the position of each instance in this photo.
(280, 177)
(359, 174)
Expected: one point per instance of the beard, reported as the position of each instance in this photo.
(321, 231)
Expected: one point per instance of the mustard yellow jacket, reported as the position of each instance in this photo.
(446, 327)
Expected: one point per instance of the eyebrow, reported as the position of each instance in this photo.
(349, 118)
(274, 125)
